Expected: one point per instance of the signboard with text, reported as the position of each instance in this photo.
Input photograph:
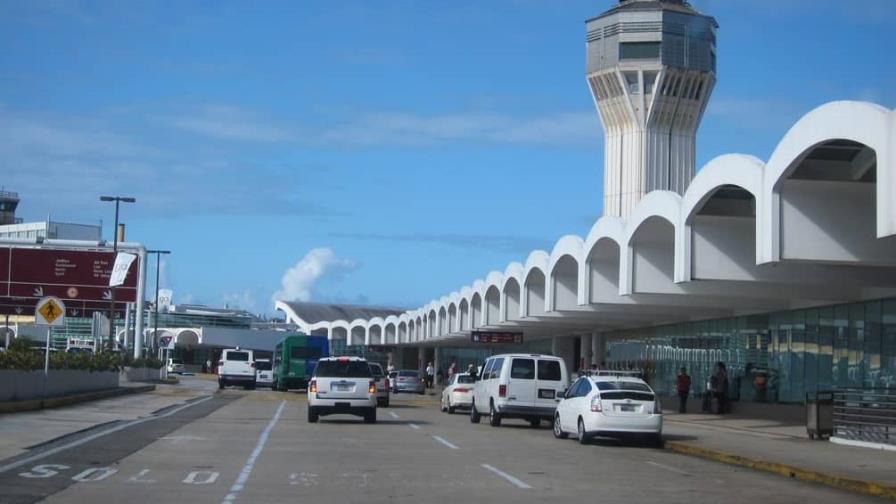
(78, 277)
(496, 337)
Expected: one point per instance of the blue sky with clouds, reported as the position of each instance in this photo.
(368, 151)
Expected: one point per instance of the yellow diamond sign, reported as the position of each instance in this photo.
(50, 311)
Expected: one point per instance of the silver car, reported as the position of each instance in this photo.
(408, 380)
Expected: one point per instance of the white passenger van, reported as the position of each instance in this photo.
(525, 386)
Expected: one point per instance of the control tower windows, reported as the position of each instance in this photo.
(639, 50)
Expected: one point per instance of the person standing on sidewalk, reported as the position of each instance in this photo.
(430, 373)
(721, 388)
(683, 387)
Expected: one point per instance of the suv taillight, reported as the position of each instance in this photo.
(596, 406)
(502, 390)
(372, 387)
(312, 387)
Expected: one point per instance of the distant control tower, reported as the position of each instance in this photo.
(651, 66)
(8, 203)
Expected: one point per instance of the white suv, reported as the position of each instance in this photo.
(342, 385)
(526, 386)
(236, 367)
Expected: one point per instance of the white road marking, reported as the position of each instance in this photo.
(516, 481)
(137, 478)
(414, 426)
(94, 474)
(79, 442)
(393, 414)
(44, 471)
(667, 467)
(304, 479)
(446, 442)
(250, 462)
(202, 477)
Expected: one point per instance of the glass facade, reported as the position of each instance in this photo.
(775, 357)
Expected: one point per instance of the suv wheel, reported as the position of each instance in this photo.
(474, 415)
(370, 416)
(494, 419)
(558, 430)
(312, 415)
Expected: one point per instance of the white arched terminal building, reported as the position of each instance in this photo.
(784, 268)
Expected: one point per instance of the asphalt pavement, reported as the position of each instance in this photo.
(256, 446)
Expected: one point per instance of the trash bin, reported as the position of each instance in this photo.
(820, 414)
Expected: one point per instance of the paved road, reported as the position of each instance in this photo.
(256, 446)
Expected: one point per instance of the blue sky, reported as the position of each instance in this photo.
(383, 152)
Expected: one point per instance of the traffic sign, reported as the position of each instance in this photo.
(49, 311)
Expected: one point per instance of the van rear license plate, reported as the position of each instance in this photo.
(341, 388)
(546, 393)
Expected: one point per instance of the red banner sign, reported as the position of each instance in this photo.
(79, 278)
(496, 337)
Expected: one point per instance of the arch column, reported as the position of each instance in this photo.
(586, 350)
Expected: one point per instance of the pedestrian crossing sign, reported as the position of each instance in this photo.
(50, 311)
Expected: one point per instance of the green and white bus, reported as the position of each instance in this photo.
(295, 358)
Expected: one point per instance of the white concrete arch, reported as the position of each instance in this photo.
(730, 234)
(442, 325)
(431, 321)
(651, 258)
(375, 331)
(865, 123)
(511, 289)
(463, 309)
(492, 307)
(357, 334)
(601, 253)
(535, 273)
(187, 337)
(566, 286)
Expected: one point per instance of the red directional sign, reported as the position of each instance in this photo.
(496, 337)
(80, 278)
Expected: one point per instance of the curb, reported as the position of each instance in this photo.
(55, 402)
(788, 471)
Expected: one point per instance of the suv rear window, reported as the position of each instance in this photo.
(376, 369)
(304, 353)
(549, 370)
(342, 369)
(263, 365)
(522, 369)
(238, 356)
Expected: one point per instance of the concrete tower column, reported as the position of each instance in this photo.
(421, 358)
(586, 350)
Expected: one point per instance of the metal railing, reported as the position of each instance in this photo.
(865, 415)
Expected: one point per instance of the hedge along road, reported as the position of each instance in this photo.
(94, 454)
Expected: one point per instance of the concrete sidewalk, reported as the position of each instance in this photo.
(21, 431)
(783, 448)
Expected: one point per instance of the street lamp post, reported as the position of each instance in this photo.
(117, 200)
(155, 318)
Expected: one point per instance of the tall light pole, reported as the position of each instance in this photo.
(155, 318)
(118, 200)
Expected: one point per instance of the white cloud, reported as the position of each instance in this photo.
(230, 123)
(245, 300)
(299, 281)
(405, 128)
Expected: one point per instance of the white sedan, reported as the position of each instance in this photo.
(458, 393)
(609, 405)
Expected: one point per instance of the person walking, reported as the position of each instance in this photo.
(430, 373)
(452, 368)
(471, 369)
(683, 387)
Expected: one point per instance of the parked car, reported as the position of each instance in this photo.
(458, 392)
(609, 405)
(342, 385)
(264, 376)
(408, 380)
(175, 366)
(525, 386)
(382, 384)
(236, 367)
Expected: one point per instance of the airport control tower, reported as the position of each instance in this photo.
(651, 67)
